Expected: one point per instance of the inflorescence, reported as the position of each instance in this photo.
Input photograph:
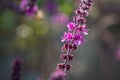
(16, 69)
(75, 35)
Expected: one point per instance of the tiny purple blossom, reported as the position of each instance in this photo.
(78, 39)
(83, 29)
(71, 26)
(78, 11)
(67, 37)
(25, 6)
(66, 57)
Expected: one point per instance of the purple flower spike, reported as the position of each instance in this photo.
(28, 7)
(75, 35)
(58, 75)
(71, 26)
(16, 69)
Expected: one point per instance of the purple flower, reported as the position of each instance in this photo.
(71, 26)
(16, 69)
(29, 8)
(58, 75)
(82, 29)
(67, 37)
(78, 39)
(59, 19)
(66, 57)
(51, 6)
(79, 11)
(64, 67)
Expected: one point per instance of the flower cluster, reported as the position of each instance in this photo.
(29, 7)
(16, 69)
(75, 35)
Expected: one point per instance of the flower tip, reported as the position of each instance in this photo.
(58, 75)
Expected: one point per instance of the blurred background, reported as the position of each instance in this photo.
(36, 40)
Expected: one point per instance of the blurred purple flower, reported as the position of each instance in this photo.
(29, 8)
(16, 69)
(58, 75)
(50, 6)
(59, 19)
